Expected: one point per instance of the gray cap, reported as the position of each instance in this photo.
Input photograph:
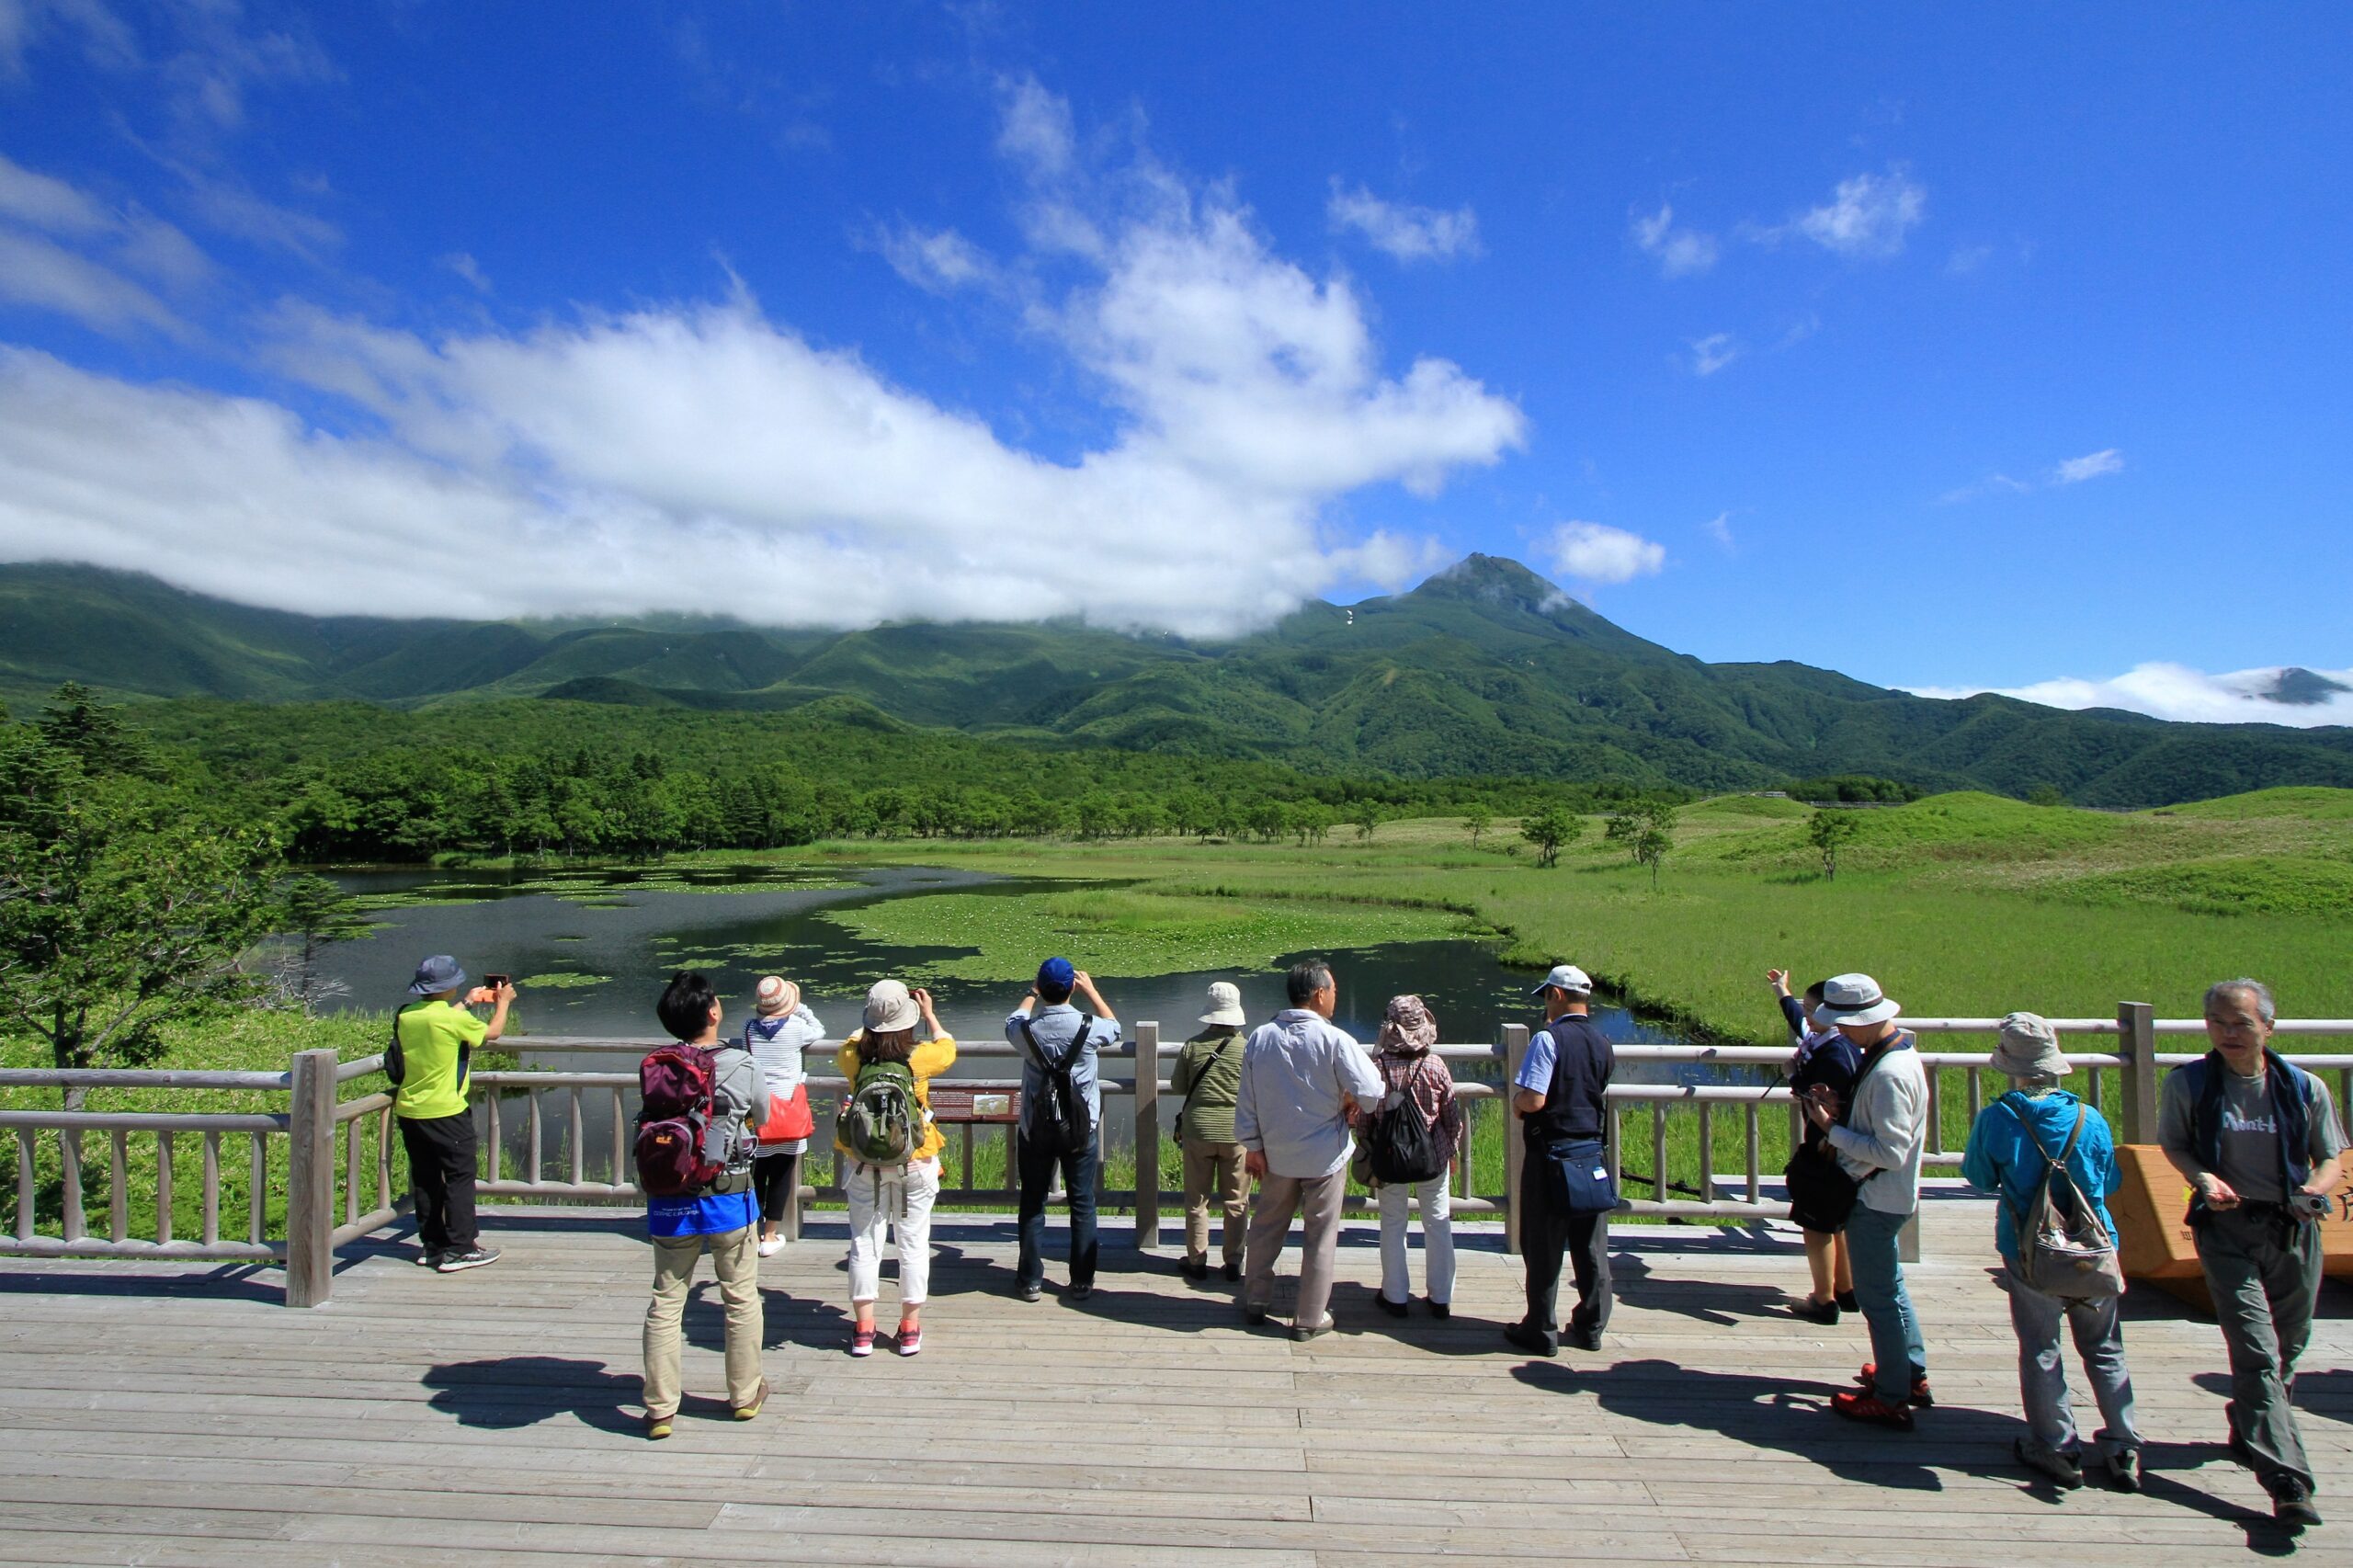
(2029, 1049)
(440, 972)
(1853, 999)
(1568, 977)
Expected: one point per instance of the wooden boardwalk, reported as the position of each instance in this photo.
(166, 1415)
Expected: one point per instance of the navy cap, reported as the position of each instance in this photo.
(439, 972)
(1056, 974)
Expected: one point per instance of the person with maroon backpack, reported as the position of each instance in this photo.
(694, 1154)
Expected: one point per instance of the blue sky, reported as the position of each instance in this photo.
(1949, 347)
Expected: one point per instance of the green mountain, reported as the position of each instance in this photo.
(1486, 668)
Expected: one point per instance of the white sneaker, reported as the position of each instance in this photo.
(771, 1246)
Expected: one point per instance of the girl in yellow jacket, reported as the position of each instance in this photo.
(901, 1196)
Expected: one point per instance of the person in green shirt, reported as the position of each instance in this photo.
(437, 1037)
(1209, 1076)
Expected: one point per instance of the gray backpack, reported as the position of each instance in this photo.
(2063, 1248)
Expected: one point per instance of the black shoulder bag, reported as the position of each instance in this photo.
(1822, 1194)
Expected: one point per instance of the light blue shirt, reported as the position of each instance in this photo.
(1296, 1072)
(1053, 1024)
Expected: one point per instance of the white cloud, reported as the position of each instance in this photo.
(1037, 127)
(1719, 528)
(44, 202)
(463, 264)
(1595, 552)
(2176, 691)
(2092, 465)
(707, 458)
(1866, 216)
(1408, 234)
(36, 272)
(1713, 353)
(1680, 252)
(939, 261)
(1966, 259)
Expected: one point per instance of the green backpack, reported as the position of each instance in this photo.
(882, 1123)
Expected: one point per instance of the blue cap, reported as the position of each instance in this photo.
(1056, 974)
(439, 972)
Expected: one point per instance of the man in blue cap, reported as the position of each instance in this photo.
(1562, 1099)
(437, 1037)
(1058, 1042)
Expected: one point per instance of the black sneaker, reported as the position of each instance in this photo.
(1441, 1311)
(2292, 1504)
(472, 1258)
(1535, 1341)
(1812, 1310)
(1254, 1316)
(2124, 1470)
(1030, 1292)
(1394, 1309)
(1194, 1268)
(2062, 1470)
(1081, 1292)
(1582, 1339)
(1848, 1303)
(1232, 1271)
(429, 1259)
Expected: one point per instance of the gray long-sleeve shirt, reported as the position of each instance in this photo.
(1297, 1074)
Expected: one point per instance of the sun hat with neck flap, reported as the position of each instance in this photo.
(2029, 1049)
(1408, 1029)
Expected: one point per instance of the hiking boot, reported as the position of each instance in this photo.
(1846, 1301)
(2064, 1470)
(1030, 1292)
(1301, 1332)
(2124, 1470)
(1534, 1340)
(910, 1339)
(1441, 1311)
(1233, 1272)
(1812, 1310)
(1254, 1316)
(1394, 1309)
(862, 1341)
(473, 1257)
(759, 1397)
(657, 1427)
(1860, 1404)
(2292, 1504)
(1921, 1396)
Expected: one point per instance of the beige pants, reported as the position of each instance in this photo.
(1219, 1165)
(1316, 1200)
(735, 1258)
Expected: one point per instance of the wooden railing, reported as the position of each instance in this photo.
(304, 1197)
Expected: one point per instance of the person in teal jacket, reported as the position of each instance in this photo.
(2003, 1158)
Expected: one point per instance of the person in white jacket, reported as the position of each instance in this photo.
(781, 1029)
(1879, 1143)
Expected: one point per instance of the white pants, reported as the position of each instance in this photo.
(1437, 1238)
(904, 1204)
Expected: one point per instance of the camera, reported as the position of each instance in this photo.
(2310, 1205)
(494, 980)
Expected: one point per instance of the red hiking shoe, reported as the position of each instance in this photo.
(1857, 1404)
(1921, 1397)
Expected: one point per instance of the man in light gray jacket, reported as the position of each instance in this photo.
(1303, 1083)
(1878, 1143)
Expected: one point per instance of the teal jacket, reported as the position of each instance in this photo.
(2000, 1160)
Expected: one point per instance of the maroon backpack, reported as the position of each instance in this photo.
(674, 1084)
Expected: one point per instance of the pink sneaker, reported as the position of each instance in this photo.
(910, 1339)
(862, 1341)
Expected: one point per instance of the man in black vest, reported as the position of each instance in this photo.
(2258, 1140)
(1560, 1095)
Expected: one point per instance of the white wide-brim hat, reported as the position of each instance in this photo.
(1855, 999)
(1225, 1004)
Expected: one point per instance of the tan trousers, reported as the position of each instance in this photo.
(1316, 1200)
(1220, 1163)
(735, 1258)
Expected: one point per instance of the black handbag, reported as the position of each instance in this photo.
(1822, 1194)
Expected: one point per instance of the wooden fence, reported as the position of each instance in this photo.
(335, 1173)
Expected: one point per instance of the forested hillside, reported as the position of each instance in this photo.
(1485, 669)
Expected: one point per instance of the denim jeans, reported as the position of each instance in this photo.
(1871, 1241)
(2042, 1370)
(1037, 1170)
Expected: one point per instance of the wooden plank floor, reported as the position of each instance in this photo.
(159, 1415)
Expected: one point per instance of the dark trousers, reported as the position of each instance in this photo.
(1037, 1170)
(1546, 1232)
(774, 1177)
(2264, 1273)
(441, 1179)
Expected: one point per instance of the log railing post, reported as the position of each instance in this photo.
(310, 1179)
(1515, 1044)
(1147, 1049)
(2136, 1043)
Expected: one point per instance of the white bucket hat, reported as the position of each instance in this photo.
(1855, 999)
(1225, 1004)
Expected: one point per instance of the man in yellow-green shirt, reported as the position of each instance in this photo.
(437, 1037)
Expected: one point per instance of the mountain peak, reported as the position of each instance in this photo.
(1497, 579)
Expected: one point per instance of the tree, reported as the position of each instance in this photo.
(1652, 844)
(2045, 795)
(121, 908)
(1827, 831)
(1548, 830)
(316, 914)
(1478, 820)
(1367, 816)
(1637, 822)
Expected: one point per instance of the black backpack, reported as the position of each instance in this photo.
(1401, 1145)
(1061, 1125)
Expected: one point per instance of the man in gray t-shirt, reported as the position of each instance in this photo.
(2228, 1126)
